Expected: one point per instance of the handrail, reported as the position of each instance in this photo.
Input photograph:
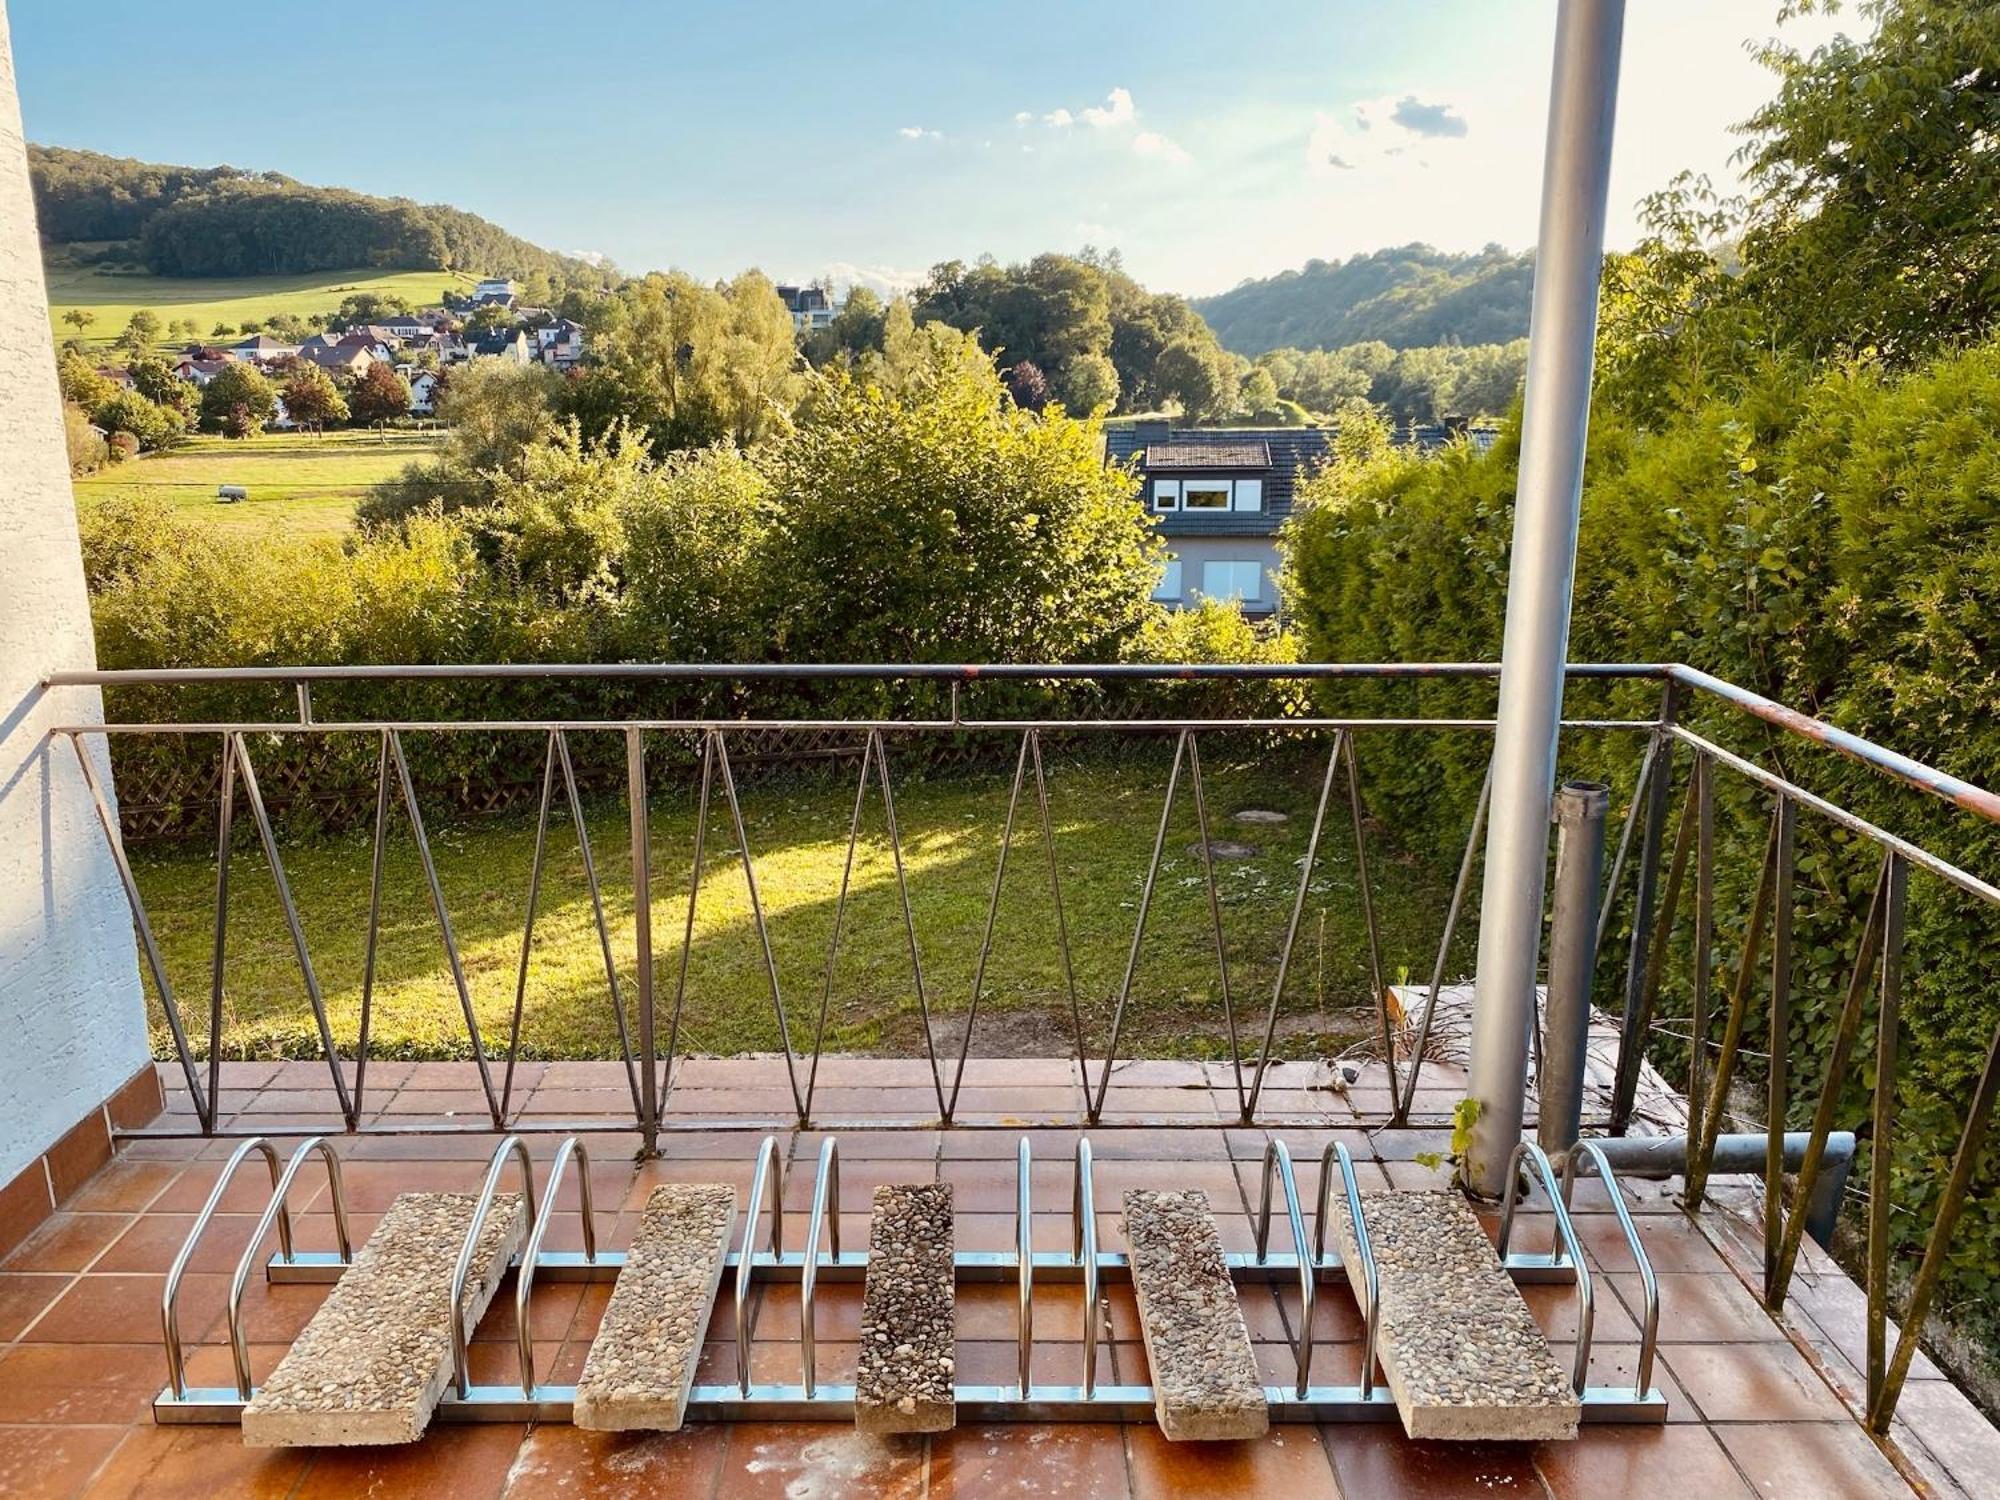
(524, 1280)
(1564, 1237)
(1649, 1332)
(1024, 1255)
(1336, 1155)
(459, 1335)
(772, 1168)
(1277, 1154)
(826, 1189)
(1083, 1247)
(170, 1293)
(278, 1208)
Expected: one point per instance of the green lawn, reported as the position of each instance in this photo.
(305, 482)
(113, 296)
(1105, 815)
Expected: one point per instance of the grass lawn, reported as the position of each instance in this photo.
(1105, 814)
(113, 296)
(304, 481)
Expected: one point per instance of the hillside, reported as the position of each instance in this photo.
(223, 221)
(1408, 296)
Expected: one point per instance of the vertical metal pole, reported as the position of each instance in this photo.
(642, 929)
(1579, 818)
(1569, 257)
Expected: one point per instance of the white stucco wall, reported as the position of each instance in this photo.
(72, 1021)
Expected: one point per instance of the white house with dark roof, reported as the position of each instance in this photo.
(1219, 496)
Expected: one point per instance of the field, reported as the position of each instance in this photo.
(305, 482)
(1104, 813)
(113, 296)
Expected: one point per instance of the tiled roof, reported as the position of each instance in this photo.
(1198, 455)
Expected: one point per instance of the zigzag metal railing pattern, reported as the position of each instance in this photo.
(651, 1073)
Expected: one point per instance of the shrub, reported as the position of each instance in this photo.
(85, 443)
(147, 424)
(238, 401)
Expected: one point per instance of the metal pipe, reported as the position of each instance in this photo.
(1657, 1157)
(1278, 1155)
(462, 1271)
(1569, 261)
(1083, 1214)
(641, 835)
(1649, 1331)
(170, 1324)
(1563, 1242)
(1024, 1254)
(770, 1166)
(826, 1189)
(524, 1280)
(1580, 808)
(1336, 1157)
(279, 1210)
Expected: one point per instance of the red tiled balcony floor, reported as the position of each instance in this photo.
(1756, 1409)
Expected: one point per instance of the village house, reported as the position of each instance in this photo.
(510, 344)
(495, 290)
(559, 344)
(349, 356)
(204, 366)
(810, 306)
(261, 348)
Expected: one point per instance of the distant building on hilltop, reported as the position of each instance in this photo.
(497, 289)
(810, 306)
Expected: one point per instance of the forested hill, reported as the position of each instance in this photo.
(1407, 297)
(223, 221)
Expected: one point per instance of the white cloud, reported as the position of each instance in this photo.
(884, 281)
(1116, 110)
(1062, 119)
(919, 133)
(1152, 143)
(1024, 117)
(589, 257)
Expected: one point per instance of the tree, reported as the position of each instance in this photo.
(81, 385)
(1090, 384)
(141, 333)
(1195, 377)
(495, 412)
(488, 316)
(380, 395)
(155, 379)
(311, 398)
(1027, 385)
(79, 318)
(1258, 393)
(87, 448)
(238, 401)
(154, 426)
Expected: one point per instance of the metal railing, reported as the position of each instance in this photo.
(1649, 865)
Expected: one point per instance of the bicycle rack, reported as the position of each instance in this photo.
(1311, 1262)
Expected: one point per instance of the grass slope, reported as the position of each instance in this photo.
(113, 296)
(305, 482)
(1104, 813)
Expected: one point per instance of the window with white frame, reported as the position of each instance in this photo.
(1249, 494)
(1169, 587)
(1241, 581)
(1205, 494)
(1166, 494)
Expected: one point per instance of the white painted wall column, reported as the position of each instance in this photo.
(72, 1017)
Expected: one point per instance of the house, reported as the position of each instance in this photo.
(504, 343)
(451, 349)
(119, 376)
(350, 355)
(1220, 496)
(399, 328)
(559, 344)
(496, 289)
(261, 348)
(810, 306)
(202, 371)
(423, 392)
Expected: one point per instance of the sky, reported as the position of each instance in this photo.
(1206, 142)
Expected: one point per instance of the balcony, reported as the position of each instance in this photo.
(1722, 1345)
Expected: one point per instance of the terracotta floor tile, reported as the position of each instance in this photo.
(175, 1463)
(1752, 1383)
(52, 1463)
(23, 1296)
(558, 1459)
(463, 1463)
(1640, 1463)
(1079, 1460)
(153, 1240)
(124, 1185)
(826, 1461)
(119, 1309)
(1376, 1459)
(68, 1241)
(1288, 1460)
(1554, 1308)
(1699, 1307)
(249, 1190)
(1953, 1429)
(1829, 1461)
(77, 1383)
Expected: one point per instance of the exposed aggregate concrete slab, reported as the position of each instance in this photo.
(905, 1373)
(372, 1363)
(642, 1362)
(1205, 1383)
(1464, 1356)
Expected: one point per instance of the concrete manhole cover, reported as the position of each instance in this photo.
(1258, 815)
(1225, 849)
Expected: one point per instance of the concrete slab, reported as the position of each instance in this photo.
(906, 1367)
(1205, 1383)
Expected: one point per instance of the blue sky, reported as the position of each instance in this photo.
(1208, 142)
